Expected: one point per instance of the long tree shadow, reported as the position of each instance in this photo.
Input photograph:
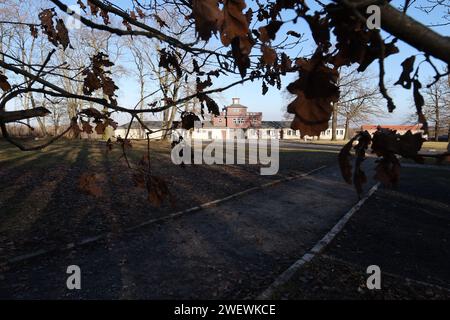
(51, 218)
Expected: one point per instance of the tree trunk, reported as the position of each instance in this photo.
(448, 136)
(437, 123)
(171, 112)
(39, 120)
(142, 131)
(347, 124)
(334, 122)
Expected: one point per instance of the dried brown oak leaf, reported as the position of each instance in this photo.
(46, 18)
(169, 61)
(86, 127)
(93, 7)
(75, 128)
(188, 120)
(208, 17)
(241, 48)
(387, 171)
(316, 89)
(319, 29)
(405, 78)
(58, 35)
(82, 5)
(387, 144)
(4, 84)
(358, 177)
(355, 42)
(97, 77)
(269, 55)
(419, 102)
(386, 141)
(141, 13)
(34, 31)
(345, 161)
(235, 31)
(211, 105)
(286, 63)
(92, 113)
(89, 183)
(235, 24)
(112, 123)
(269, 32)
(62, 35)
(157, 190)
(100, 127)
(160, 21)
(105, 15)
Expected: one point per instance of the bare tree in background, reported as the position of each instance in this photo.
(437, 106)
(359, 100)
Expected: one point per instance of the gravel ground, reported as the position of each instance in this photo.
(41, 204)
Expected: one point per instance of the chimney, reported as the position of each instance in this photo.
(236, 100)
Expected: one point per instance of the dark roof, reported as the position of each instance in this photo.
(236, 106)
(264, 125)
(137, 125)
(209, 124)
(275, 124)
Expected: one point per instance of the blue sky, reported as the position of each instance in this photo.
(272, 103)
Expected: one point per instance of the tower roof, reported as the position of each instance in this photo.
(236, 103)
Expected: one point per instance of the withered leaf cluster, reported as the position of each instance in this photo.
(4, 84)
(188, 120)
(232, 24)
(209, 103)
(387, 145)
(56, 33)
(169, 61)
(101, 121)
(156, 187)
(316, 90)
(98, 77)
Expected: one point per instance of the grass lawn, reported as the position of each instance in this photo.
(330, 142)
(435, 145)
(439, 146)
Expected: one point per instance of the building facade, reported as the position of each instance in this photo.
(233, 122)
(236, 116)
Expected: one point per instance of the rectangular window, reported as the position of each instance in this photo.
(210, 135)
(268, 132)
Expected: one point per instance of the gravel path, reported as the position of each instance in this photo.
(404, 231)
